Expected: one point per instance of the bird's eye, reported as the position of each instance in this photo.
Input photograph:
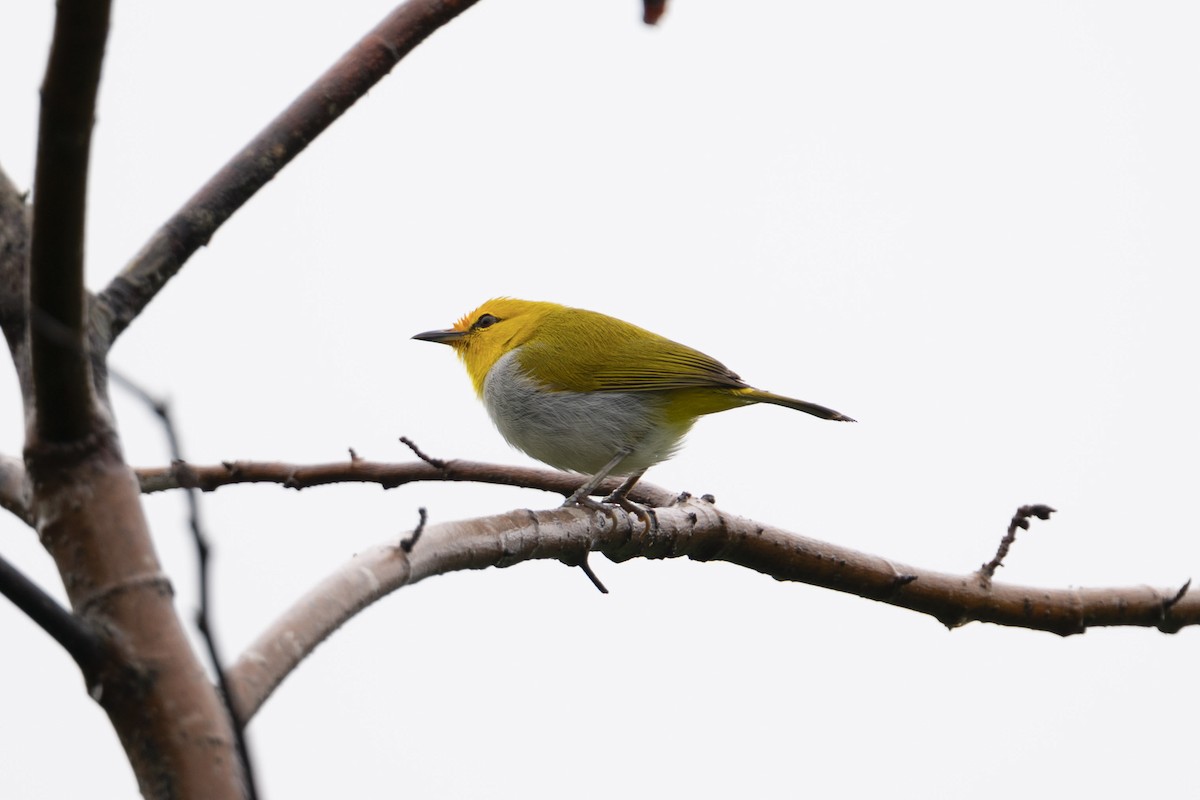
(486, 321)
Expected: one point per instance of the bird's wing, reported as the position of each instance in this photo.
(677, 367)
(610, 355)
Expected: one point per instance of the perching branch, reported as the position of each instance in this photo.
(60, 363)
(698, 530)
(389, 476)
(364, 65)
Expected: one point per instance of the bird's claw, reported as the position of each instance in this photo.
(584, 502)
(644, 514)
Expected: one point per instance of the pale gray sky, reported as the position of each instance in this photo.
(970, 226)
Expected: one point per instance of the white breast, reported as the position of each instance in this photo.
(578, 431)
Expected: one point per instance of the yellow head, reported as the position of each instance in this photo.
(487, 333)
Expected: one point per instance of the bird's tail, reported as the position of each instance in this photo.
(800, 405)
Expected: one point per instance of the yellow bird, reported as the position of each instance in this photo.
(589, 393)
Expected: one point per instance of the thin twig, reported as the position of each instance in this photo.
(162, 410)
(1019, 520)
(433, 462)
(63, 626)
(1183, 590)
(592, 576)
(408, 542)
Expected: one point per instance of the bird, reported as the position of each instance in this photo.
(592, 394)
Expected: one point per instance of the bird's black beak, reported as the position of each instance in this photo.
(441, 337)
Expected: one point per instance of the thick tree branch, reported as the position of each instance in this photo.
(162, 410)
(14, 490)
(389, 476)
(83, 498)
(60, 363)
(698, 530)
(162, 705)
(14, 272)
(283, 139)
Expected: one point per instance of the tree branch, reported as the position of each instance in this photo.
(653, 11)
(1020, 521)
(389, 476)
(60, 364)
(14, 490)
(83, 496)
(174, 730)
(66, 629)
(696, 529)
(161, 409)
(14, 272)
(283, 139)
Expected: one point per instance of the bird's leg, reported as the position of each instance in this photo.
(621, 492)
(583, 493)
(582, 497)
(620, 497)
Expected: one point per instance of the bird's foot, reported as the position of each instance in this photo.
(643, 513)
(615, 500)
(584, 502)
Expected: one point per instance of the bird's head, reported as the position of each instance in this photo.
(489, 332)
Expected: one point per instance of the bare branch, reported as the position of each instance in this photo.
(1020, 521)
(161, 409)
(698, 530)
(366, 63)
(592, 576)
(14, 273)
(653, 10)
(60, 363)
(411, 445)
(14, 489)
(410, 541)
(1182, 593)
(161, 703)
(64, 627)
(389, 476)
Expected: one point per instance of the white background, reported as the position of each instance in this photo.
(970, 226)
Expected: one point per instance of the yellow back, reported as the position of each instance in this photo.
(570, 349)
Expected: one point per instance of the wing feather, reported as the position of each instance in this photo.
(583, 351)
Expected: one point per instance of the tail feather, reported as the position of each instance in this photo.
(799, 405)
